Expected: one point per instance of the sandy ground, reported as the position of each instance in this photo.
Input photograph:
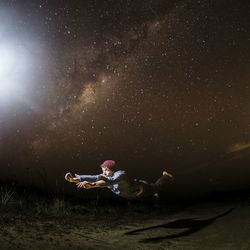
(203, 225)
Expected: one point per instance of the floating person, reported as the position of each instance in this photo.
(119, 183)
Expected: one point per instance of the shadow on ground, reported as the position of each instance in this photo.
(192, 225)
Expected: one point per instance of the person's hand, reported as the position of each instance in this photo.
(84, 184)
(69, 177)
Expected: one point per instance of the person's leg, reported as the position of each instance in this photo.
(163, 181)
(152, 189)
(146, 190)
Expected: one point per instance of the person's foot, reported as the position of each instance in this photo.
(165, 173)
(156, 195)
(69, 177)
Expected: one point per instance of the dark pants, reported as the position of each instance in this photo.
(150, 189)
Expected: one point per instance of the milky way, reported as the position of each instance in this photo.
(151, 84)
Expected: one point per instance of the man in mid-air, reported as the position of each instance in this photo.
(119, 183)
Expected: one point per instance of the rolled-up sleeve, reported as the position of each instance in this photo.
(89, 178)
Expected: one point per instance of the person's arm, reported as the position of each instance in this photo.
(117, 177)
(81, 178)
(102, 181)
(88, 178)
(89, 185)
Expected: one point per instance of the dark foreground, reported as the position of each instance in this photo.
(221, 223)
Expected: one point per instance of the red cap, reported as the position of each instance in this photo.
(110, 164)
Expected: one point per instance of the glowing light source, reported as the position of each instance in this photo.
(238, 147)
(14, 64)
(7, 61)
(23, 60)
(7, 66)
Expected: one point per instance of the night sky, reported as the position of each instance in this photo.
(151, 84)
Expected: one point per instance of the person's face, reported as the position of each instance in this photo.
(107, 172)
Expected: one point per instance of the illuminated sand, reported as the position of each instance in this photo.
(115, 228)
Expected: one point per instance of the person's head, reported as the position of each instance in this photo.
(108, 167)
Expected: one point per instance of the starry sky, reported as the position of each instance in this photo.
(151, 84)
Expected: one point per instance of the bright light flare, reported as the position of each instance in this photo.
(23, 64)
(14, 66)
(238, 147)
(7, 62)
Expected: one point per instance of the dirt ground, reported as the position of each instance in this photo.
(201, 225)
